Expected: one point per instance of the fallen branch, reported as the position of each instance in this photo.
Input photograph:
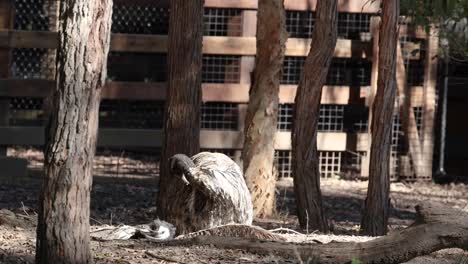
(434, 229)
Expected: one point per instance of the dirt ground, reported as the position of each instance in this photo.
(125, 190)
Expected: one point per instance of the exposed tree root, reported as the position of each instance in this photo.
(435, 228)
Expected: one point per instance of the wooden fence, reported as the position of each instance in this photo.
(242, 45)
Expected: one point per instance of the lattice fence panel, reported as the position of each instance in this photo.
(222, 22)
(221, 69)
(300, 24)
(32, 64)
(283, 163)
(220, 116)
(140, 19)
(330, 163)
(341, 72)
(330, 120)
(31, 15)
(26, 111)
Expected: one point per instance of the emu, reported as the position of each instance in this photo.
(214, 192)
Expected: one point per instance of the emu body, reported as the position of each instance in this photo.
(212, 192)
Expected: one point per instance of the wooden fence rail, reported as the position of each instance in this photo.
(214, 45)
(152, 138)
(212, 92)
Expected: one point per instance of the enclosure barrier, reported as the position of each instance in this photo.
(132, 109)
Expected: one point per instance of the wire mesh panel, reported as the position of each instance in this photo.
(140, 19)
(222, 22)
(26, 111)
(299, 24)
(341, 72)
(349, 72)
(283, 163)
(131, 114)
(285, 117)
(31, 64)
(330, 163)
(292, 68)
(353, 25)
(220, 116)
(221, 69)
(331, 118)
(137, 67)
(31, 15)
(395, 149)
(418, 116)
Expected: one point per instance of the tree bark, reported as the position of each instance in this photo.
(305, 162)
(63, 228)
(435, 228)
(182, 118)
(262, 112)
(375, 215)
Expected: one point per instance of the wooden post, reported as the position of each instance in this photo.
(429, 104)
(6, 23)
(375, 28)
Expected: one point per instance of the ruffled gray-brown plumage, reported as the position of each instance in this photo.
(214, 192)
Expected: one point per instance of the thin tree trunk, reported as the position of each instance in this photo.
(262, 113)
(84, 36)
(305, 160)
(182, 118)
(375, 214)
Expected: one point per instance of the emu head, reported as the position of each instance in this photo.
(180, 165)
(162, 229)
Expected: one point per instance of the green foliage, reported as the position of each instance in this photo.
(450, 15)
(356, 261)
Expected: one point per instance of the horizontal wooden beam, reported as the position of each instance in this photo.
(134, 91)
(138, 43)
(107, 137)
(152, 138)
(158, 44)
(345, 48)
(28, 39)
(355, 6)
(212, 92)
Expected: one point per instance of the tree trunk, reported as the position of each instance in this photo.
(63, 228)
(182, 113)
(435, 228)
(305, 162)
(375, 214)
(262, 113)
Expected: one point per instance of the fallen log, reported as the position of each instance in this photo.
(435, 228)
